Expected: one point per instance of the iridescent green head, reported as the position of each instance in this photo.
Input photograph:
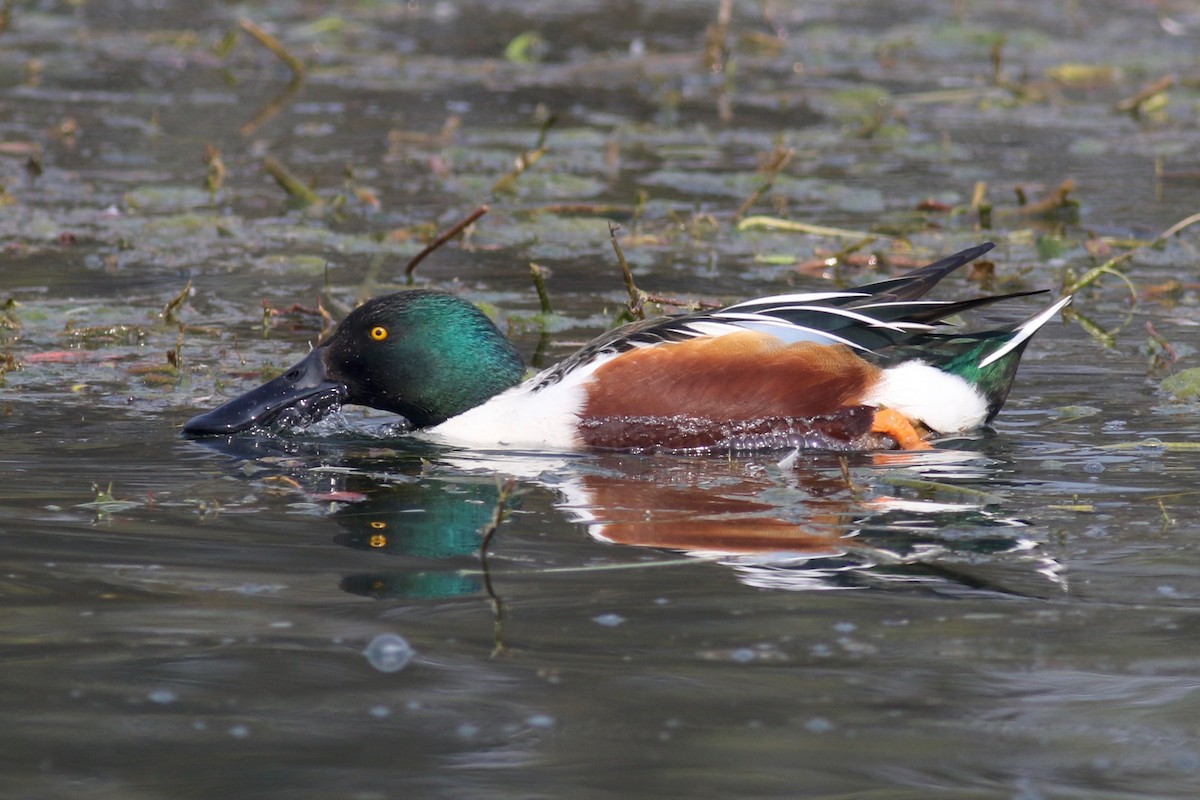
(425, 355)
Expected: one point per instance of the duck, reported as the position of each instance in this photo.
(873, 367)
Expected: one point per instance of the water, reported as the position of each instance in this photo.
(310, 616)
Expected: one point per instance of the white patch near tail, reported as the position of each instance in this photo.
(1022, 334)
(943, 402)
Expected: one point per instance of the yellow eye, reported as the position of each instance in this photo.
(379, 333)
(378, 540)
(377, 524)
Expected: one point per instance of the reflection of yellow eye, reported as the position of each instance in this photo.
(379, 333)
(377, 524)
(378, 540)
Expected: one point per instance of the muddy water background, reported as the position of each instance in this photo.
(188, 620)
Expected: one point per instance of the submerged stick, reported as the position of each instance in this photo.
(442, 239)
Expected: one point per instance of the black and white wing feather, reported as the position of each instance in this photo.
(867, 318)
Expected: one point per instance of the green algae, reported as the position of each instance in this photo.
(1182, 387)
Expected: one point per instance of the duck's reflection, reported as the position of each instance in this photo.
(800, 527)
(803, 523)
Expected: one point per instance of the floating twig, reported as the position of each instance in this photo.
(268, 312)
(636, 297)
(272, 107)
(173, 305)
(1091, 328)
(1108, 267)
(690, 305)
(979, 495)
(1053, 202)
(791, 226)
(214, 173)
(1186, 222)
(440, 240)
(997, 54)
(1156, 444)
(274, 45)
(526, 159)
(296, 189)
(776, 160)
(1168, 520)
(1135, 103)
(716, 39)
(613, 211)
(981, 205)
(1169, 354)
(539, 283)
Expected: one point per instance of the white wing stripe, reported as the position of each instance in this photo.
(837, 312)
(810, 297)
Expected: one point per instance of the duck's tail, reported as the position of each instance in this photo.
(988, 361)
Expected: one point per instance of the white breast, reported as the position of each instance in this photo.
(943, 402)
(522, 418)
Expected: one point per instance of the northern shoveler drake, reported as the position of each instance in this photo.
(872, 367)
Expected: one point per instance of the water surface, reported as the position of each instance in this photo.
(1012, 616)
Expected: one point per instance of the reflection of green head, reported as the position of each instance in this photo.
(437, 521)
(417, 585)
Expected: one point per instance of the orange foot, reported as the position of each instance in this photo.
(894, 424)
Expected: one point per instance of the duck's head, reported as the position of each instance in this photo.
(425, 355)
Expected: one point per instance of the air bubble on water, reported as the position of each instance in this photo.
(389, 652)
(742, 655)
(818, 725)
